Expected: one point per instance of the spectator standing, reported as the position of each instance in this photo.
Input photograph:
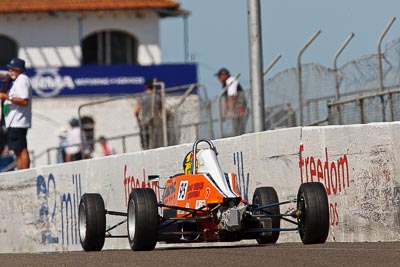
(73, 149)
(235, 105)
(107, 150)
(148, 115)
(18, 112)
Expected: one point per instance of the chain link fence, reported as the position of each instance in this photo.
(187, 117)
(361, 98)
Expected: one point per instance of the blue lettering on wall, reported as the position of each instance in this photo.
(243, 180)
(69, 202)
(69, 210)
(67, 220)
(46, 193)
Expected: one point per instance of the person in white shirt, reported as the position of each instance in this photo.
(18, 112)
(73, 149)
(235, 106)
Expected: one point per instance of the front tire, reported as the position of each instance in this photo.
(142, 219)
(312, 203)
(92, 222)
(264, 196)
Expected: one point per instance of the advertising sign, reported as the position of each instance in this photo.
(112, 79)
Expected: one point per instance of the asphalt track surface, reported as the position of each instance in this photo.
(285, 254)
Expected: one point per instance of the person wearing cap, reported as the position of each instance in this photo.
(73, 149)
(18, 112)
(235, 106)
(148, 114)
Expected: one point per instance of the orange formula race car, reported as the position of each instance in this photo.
(204, 204)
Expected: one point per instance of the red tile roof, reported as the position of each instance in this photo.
(15, 6)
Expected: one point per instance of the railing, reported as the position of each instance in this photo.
(178, 125)
(358, 101)
(48, 152)
(207, 106)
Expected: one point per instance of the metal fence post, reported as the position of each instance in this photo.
(381, 85)
(390, 100)
(209, 119)
(329, 104)
(163, 112)
(361, 109)
(335, 73)
(299, 79)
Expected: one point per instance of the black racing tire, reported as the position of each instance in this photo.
(92, 222)
(264, 196)
(312, 203)
(143, 220)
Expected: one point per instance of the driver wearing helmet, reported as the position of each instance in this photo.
(187, 162)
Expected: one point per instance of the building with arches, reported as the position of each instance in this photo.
(70, 33)
(87, 50)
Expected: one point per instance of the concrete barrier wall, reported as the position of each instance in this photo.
(358, 165)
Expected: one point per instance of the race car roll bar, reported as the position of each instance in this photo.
(211, 145)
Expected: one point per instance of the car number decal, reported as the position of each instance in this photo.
(182, 190)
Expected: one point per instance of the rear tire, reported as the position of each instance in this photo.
(312, 202)
(264, 196)
(142, 219)
(92, 222)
